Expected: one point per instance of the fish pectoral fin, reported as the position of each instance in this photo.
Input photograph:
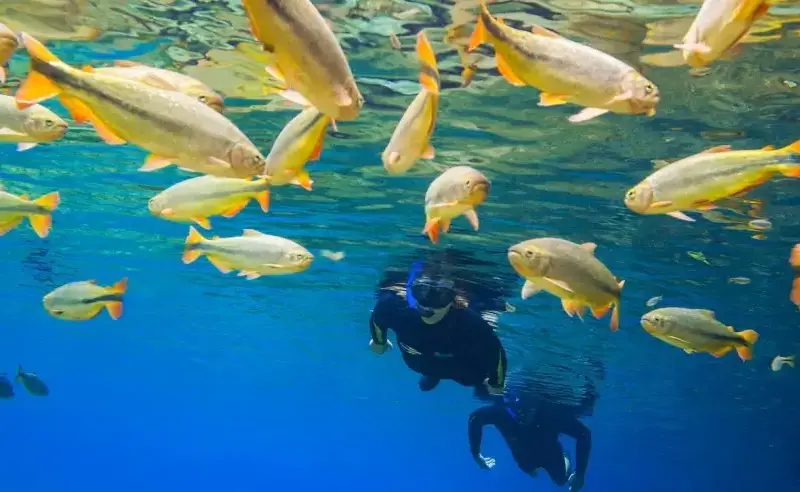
(561, 284)
(202, 222)
(81, 113)
(587, 114)
(154, 162)
(541, 31)
(11, 133)
(680, 216)
(295, 97)
(249, 275)
(693, 47)
(317, 148)
(221, 265)
(599, 312)
(23, 146)
(234, 209)
(704, 205)
(431, 228)
(275, 73)
(662, 204)
(429, 152)
(472, 217)
(507, 72)
(529, 289)
(216, 161)
(158, 82)
(547, 99)
(719, 353)
(303, 180)
(716, 149)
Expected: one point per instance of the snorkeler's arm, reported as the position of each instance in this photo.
(479, 418)
(583, 442)
(379, 321)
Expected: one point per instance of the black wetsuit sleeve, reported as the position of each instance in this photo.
(380, 318)
(583, 442)
(478, 419)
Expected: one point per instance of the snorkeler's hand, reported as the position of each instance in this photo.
(493, 390)
(380, 349)
(485, 463)
(575, 482)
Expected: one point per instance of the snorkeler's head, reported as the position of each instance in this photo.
(429, 290)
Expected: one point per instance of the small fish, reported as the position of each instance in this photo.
(718, 27)
(394, 41)
(32, 383)
(760, 224)
(307, 56)
(164, 79)
(332, 255)
(697, 255)
(173, 127)
(739, 280)
(411, 138)
(697, 330)
(30, 126)
(15, 208)
(197, 199)
(510, 308)
(654, 301)
(779, 361)
(8, 45)
(570, 272)
(565, 71)
(300, 141)
(696, 182)
(81, 301)
(6, 388)
(253, 253)
(457, 191)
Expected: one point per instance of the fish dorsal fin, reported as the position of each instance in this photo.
(768, 147)
(561, 284)
(158, 82)
(659, 163)
(126, 63)
(541, 31)
(252, 233)
(93, 282)
(708, 313)
(716, 149)
(589, 247)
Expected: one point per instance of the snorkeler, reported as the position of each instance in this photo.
(531, 432)
(439, 336)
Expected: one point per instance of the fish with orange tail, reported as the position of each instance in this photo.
(39, 212)
(300, 141)
(307, 57)
(8, 44)
(81, 301)
(565, 71)
(455, 192)
(173, 127)
(697, 330)
(697, 182)
(717, 28)
(570, 272)
(411, 139)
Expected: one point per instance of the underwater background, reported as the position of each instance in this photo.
(212, 382)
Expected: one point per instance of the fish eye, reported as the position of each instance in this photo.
(57, 312)
(203, 99)
(528, 253)
(49, 123)
(649, 88)
(631, 193)
(469, 182)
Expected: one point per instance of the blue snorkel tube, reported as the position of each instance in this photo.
(416, 269)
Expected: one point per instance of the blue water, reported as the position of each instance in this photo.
(211, 382)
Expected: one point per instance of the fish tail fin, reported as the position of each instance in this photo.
(794, 295)
(479, 35)
(190, 250)
(432, 230)
(792, 148)
(746, 352)
(790, 361)
(120, 287)
(42, 222)
(428, 73)
(114, 308)
(37, 87)
(262, 197)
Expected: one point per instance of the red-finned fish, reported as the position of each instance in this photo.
(30, 126)
(300, 141)
(80, 301)
(457, 191)
(8, 44)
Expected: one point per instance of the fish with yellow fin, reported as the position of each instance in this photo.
(173, 127)
(717, 28)
(81, 301)
(570, 272)
(696, 182)
(411, 139)
(8, 45)
(300, 141)
(307, 56)
(455, 192)
(39, 212)
(565, 71)
(697, 330)
(197, 199)
(30, 126)
(253, 253)
(164, 79)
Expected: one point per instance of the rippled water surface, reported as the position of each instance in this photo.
(210, 382)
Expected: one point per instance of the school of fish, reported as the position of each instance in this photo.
(180, 121)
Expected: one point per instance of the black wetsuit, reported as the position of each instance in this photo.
(534, 444)
(461, 347)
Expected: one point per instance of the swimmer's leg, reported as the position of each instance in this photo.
(427, 383)
(557, 465)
